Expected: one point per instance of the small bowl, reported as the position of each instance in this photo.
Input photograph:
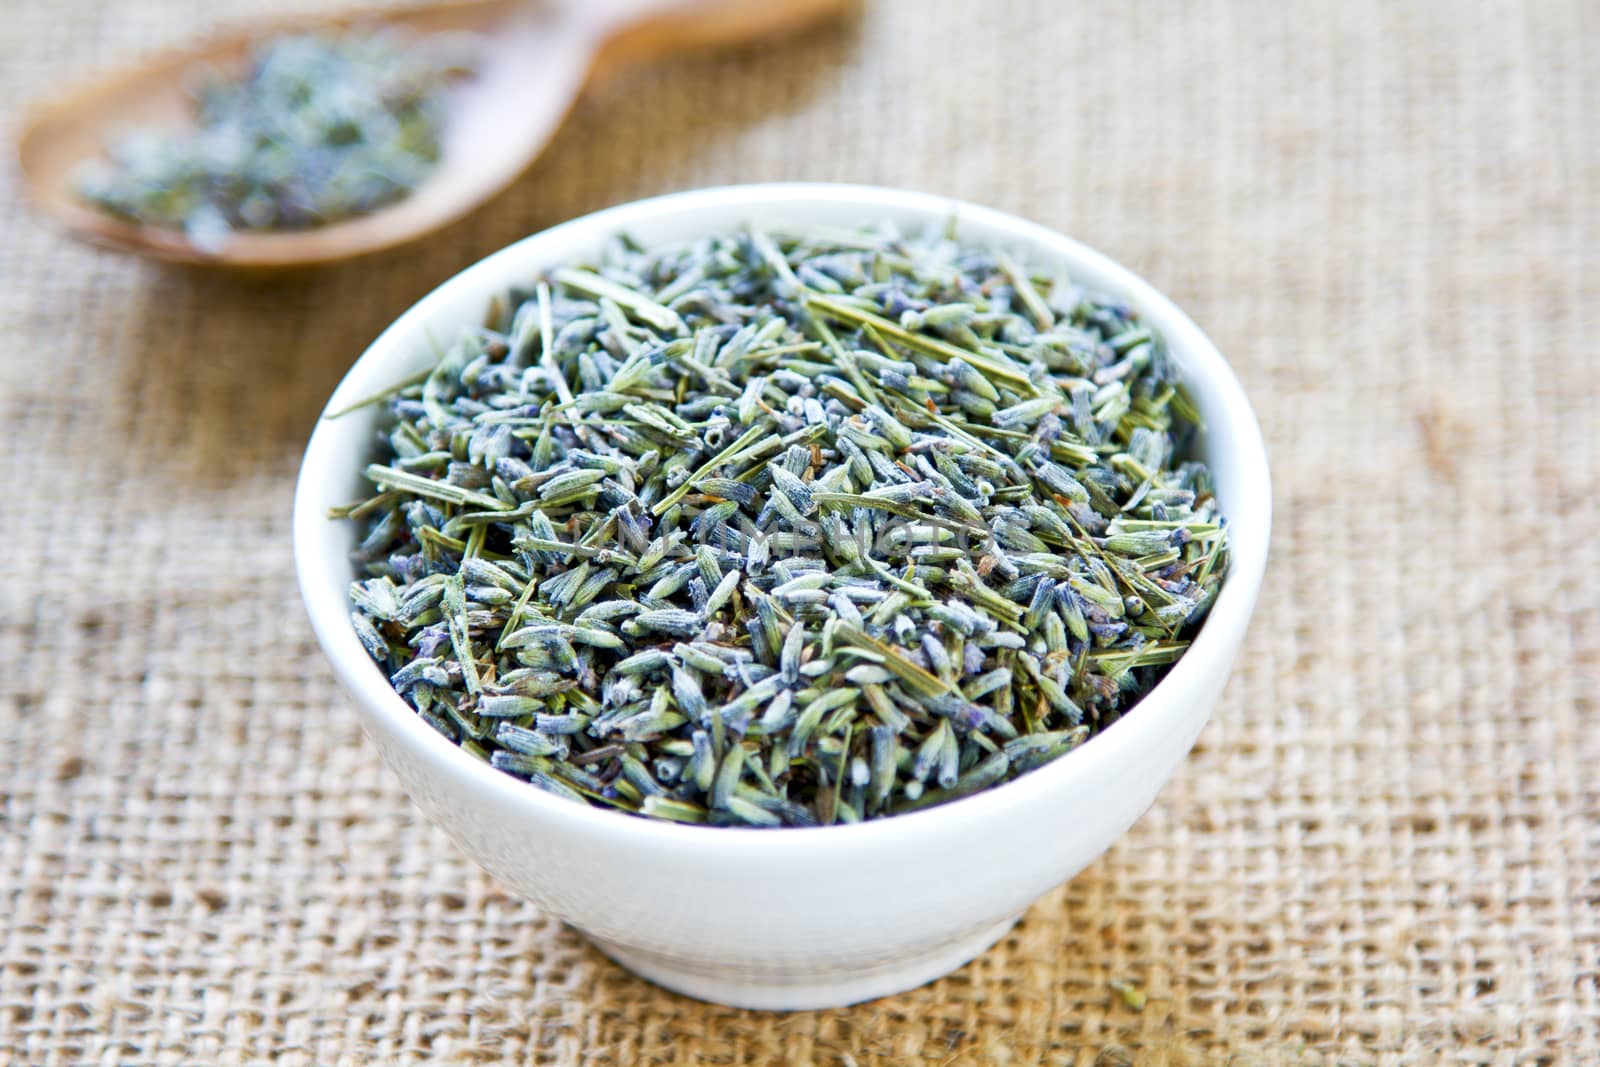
(787, 918)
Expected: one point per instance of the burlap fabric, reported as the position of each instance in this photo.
(1386, 849)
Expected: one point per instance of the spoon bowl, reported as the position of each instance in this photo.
(534, 60)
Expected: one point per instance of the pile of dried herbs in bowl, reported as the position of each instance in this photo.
(320, 129)
(774, 529)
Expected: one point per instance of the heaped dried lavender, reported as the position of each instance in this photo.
(773, 529)
(321, 128)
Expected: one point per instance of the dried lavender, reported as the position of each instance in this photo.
(786, 529)
(322, 128)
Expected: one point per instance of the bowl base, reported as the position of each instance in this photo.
(805, 992)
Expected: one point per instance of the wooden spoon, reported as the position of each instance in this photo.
(536, 58)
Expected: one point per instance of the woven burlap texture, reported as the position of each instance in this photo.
(1386, 848)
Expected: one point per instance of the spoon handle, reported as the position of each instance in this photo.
(638, 31)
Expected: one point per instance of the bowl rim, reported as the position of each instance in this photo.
(1165, 706)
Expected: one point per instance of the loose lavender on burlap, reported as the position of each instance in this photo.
(786, 529)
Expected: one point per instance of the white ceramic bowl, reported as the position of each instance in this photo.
(787, 918)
